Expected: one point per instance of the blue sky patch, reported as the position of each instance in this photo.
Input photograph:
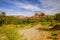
(29, 7)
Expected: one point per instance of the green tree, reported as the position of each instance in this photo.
(3, 13)
(57, 17)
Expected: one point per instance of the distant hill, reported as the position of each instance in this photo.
(37, 16)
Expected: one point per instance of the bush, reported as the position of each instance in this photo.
(57, 17)
(57, 27)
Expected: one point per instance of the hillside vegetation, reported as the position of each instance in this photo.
(9, 26)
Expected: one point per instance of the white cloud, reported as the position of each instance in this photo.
(16, 12)
(19, 5)
(27, 6)
(52, 6)
(24, 5)
(10, 11)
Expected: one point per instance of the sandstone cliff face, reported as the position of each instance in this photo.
(37, 16)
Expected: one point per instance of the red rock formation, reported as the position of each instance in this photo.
(37, 16)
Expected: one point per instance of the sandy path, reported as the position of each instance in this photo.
(31, 34)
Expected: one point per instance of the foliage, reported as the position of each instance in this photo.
(43, 18)
(57, 17)
(10, 32)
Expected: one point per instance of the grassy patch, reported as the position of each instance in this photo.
(9, 32)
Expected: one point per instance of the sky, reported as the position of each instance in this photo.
(29, 7)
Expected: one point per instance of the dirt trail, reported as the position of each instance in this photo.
(34, 34)
(31, 34)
